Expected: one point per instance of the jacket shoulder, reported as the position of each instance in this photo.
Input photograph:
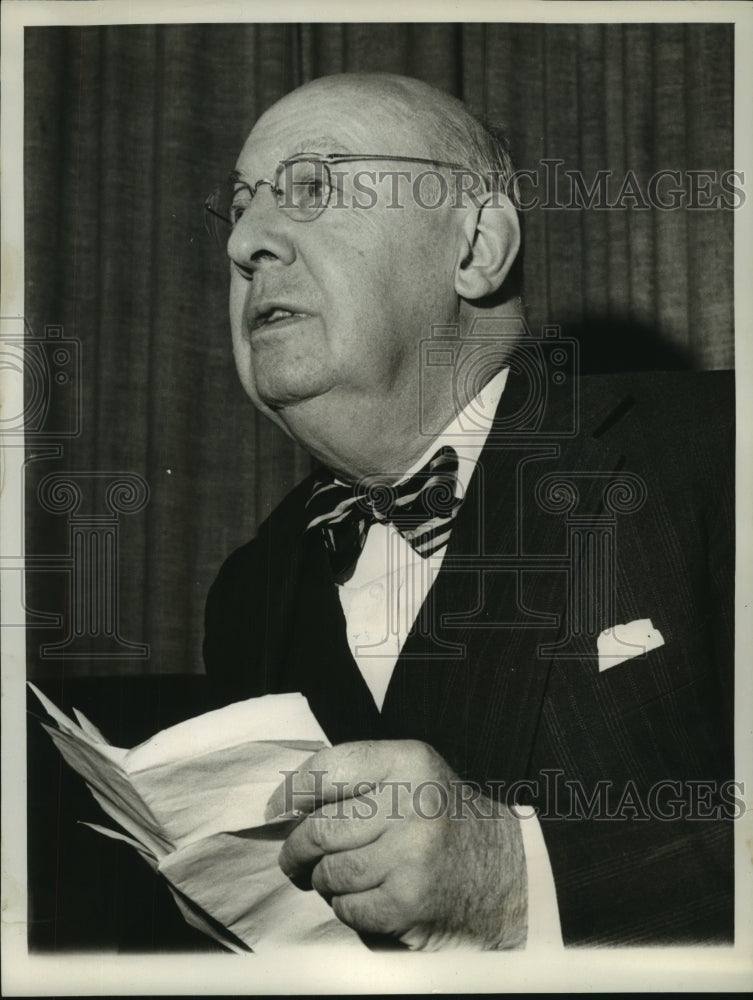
(662, 406)
(288, 519)
(245, 596)
(677, 390)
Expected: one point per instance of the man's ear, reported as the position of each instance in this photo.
(490, 244)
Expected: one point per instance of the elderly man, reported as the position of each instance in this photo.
(503, 588)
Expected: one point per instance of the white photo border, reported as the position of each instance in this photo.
(586, 970)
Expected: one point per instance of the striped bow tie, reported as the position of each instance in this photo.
(422, 509)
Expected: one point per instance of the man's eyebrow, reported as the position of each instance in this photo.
(320, 144)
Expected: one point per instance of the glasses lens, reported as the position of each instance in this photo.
(304, 187)
(224, 207)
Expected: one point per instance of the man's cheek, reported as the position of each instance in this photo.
(240, 288)
(244, 366)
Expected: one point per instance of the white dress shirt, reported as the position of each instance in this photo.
(382, 599)
(381, 602)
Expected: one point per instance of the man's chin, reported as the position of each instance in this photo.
(279, 396)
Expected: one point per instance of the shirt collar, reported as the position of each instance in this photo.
(468, 432)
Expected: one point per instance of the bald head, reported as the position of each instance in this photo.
(419, 120)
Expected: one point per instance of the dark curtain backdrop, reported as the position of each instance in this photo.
(126, 130)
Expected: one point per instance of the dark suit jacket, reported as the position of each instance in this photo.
(500, 672)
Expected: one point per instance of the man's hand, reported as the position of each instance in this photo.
(399, 846)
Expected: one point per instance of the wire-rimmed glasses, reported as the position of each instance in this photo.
(302, 186)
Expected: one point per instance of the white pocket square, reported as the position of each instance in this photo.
(623, 642)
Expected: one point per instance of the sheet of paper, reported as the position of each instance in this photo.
(99, 772)
(88, 733)
(265, 910)
(224, 791)
(207, 775)
(271, 717)
(155, 847)
(192, 801)
(190, 912)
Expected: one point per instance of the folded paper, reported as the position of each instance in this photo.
(191, 801)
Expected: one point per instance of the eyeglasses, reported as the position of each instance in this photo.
(302, 187)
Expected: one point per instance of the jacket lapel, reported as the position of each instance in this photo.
(471, 678)
(319, 663)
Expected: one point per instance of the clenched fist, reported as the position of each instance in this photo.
(400, 846)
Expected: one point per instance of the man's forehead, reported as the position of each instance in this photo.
(262, 151)
(320, 144)
(314, 143)
(334, 120)
(272, 140)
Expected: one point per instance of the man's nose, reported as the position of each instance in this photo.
(262, 234)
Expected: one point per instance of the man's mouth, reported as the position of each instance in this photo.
(269, 317)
